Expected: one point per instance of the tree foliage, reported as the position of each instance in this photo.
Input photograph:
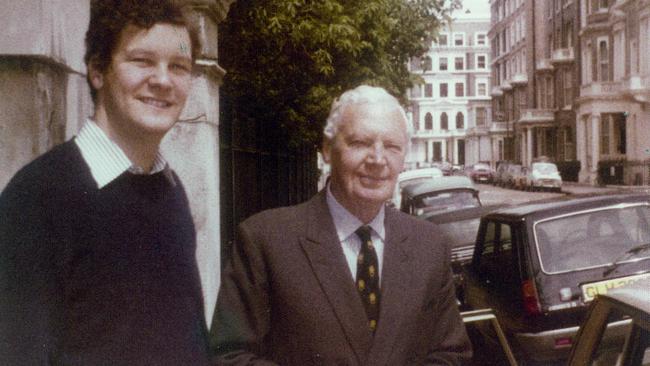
(287, 59)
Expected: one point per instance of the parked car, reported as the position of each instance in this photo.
(512, 172)
(544, 175)
(410, 177)
(631, 307)
(480, 173)
(460, 227)
(539, 265)
(440, 194)
(519, 178)
(499, 178)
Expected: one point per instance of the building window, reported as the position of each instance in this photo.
(458, 63)
(568, 87)
(604, 135)
(444, 121)
(428, 122)
(426, 63)
(443, 90)
(459, 39)
(416, 92)
(481, 39)
(442, 39)
(481, 89)
(460, 89)
(460, 121)
(549, 92)
(443, 64)
(428, 90)
(481, 116)
(603, 61)
(481, 62)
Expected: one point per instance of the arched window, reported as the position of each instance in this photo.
(428, 122)
(444, 121)
(460, 121)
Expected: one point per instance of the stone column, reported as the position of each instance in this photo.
(595, 146)
(192, 146)
(581, 148)
(529, 146)
(443, 147)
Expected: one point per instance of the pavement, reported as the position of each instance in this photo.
(584, 188)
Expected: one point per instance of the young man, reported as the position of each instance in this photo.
(341, 279)
(97, 243)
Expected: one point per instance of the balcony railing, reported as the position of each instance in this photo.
(562, 55)
(439, 133)
(499, 127)
(601, 89)
(537, 116)
(638, 88)
(496, 92)
(519, 79)
(544, 65)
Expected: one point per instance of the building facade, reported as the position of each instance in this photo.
(452, 95)
(613, 108)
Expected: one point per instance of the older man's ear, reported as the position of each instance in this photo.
(326, 150)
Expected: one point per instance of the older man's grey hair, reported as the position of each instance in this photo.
(363, 94)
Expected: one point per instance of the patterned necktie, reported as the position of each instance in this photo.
(368, 277)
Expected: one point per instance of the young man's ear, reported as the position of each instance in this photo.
(95, 75)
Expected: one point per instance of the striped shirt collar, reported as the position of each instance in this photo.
(105, 158)
(346, 223)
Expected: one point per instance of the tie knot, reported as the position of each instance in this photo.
(363, 232)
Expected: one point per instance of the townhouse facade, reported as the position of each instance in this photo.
(571, 83)
(450, 109)
(613, 106)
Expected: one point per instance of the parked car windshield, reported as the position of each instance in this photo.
(412, 181)
(545, 168)
(591, 239)
(452, 200)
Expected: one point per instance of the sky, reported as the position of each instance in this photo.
(477, 7)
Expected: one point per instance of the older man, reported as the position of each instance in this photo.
(341, 279)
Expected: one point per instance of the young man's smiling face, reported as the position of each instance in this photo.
(144, 88)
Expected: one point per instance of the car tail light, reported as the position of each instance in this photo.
(563, 342)
(531, 302)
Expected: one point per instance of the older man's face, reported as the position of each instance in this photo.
(367, 154)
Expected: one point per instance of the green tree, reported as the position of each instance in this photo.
(287, 59)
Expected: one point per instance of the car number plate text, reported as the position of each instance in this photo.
(590, 290)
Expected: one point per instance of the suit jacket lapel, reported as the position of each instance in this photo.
(395, 279)
(325, 254)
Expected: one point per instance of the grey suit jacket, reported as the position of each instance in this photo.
(287, 296)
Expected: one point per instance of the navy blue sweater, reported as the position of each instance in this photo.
(97, 276)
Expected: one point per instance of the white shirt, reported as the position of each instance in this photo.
(105, 158)
(346, 224)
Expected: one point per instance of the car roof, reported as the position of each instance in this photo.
(567, 204)
(417, 173)
(469, 213)
(439, 184)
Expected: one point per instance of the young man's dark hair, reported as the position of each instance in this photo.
(109, 17)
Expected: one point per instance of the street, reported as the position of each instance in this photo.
(492, 195)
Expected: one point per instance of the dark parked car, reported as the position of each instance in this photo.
(499, 177)
(480, 173)
(632, 306)
(461, 227)
(539, 265)
(440, 194)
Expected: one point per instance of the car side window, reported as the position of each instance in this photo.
(496, 254)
